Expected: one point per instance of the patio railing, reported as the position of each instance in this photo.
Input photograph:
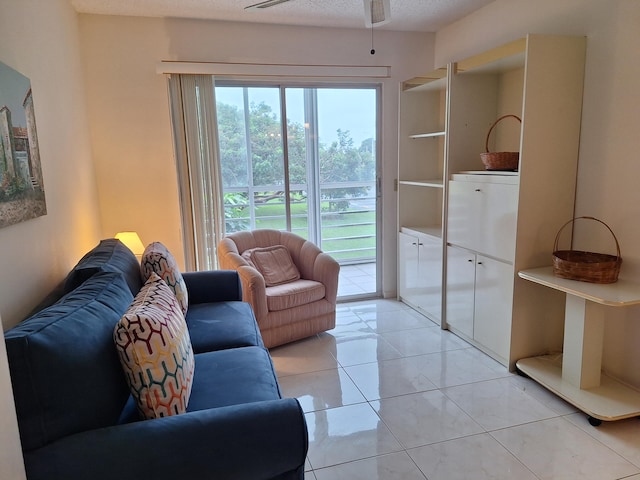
(345, 219)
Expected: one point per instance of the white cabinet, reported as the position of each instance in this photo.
(460, 290)
(482, 213)
(420, 269)
(481, 234)
(493, 304)
(506, 221)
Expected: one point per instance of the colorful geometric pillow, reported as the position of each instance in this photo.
(155, 351)
(156, 258)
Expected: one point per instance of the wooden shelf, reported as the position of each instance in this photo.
(619, 294)
(428, 135)
(435, 80)
(611, 400)
(432, 231)
(436, 182)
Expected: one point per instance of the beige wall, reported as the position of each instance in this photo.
(129, 115)
(608, 168)
(40, 40)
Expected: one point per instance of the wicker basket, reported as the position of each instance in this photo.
(586, 266)
(500, 160)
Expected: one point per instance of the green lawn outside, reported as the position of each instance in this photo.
(334, 225)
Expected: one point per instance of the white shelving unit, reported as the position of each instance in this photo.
(421, 188)
(444, 120)
(576, 374)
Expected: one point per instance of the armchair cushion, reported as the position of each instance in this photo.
(157, 258)
(155, 351)
(274, 263)
(293, 294)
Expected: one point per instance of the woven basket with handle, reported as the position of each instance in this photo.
(500, 160)
(586, 266)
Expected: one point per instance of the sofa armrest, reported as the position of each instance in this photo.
(213, 286)
(326, 270)
(250, 441)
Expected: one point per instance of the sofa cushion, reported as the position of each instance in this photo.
(110, 255)
(157, 258)
(221, 325)
(225, 378)
(231, 377)
(293, 294)
(155, 351)
(275, 264)
(65, 372)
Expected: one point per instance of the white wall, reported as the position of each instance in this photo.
(129, 114)
(40, 40)
(610, 140)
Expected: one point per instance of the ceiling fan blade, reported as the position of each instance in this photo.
(377, 12)
(266, 4)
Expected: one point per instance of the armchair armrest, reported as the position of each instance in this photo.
(213, 286)
(326, 270)
(254, 290)
(250, 441)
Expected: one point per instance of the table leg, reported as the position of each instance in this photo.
(583, 335)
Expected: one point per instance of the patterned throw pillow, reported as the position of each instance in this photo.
(155, 351)
(157, 258)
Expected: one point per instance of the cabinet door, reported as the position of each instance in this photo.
(493, 305)
(430, 276)
(460, 290)
(482, 217)
(407, 267)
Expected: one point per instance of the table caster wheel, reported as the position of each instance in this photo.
(595, 422)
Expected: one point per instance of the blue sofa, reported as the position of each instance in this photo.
(76, 416)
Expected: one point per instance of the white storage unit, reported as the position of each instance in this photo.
(498, 223)
(481, 234)
(420, 187)
(420, 258)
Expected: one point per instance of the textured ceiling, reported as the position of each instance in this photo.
(406, 15)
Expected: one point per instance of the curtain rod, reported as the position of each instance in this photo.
(276, 70)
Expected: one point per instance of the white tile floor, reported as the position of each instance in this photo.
(389, 395)
(359, 279)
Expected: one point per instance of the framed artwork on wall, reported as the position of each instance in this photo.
(21, 183)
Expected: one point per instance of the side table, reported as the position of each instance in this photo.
(576, 374)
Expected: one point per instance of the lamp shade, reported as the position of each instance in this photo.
(131, 240)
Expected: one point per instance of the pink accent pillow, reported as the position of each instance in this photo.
(275, 265)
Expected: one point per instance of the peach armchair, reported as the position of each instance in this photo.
(292, 309)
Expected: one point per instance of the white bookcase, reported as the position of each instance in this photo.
(421, 184)
(510, 224)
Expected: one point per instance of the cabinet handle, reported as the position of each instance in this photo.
(414, 243)
(479, 263)
(470, 260)
(420, 244)
(478, 190)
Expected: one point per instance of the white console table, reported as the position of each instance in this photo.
(576, 374)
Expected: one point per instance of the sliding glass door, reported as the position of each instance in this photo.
(305, 159)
